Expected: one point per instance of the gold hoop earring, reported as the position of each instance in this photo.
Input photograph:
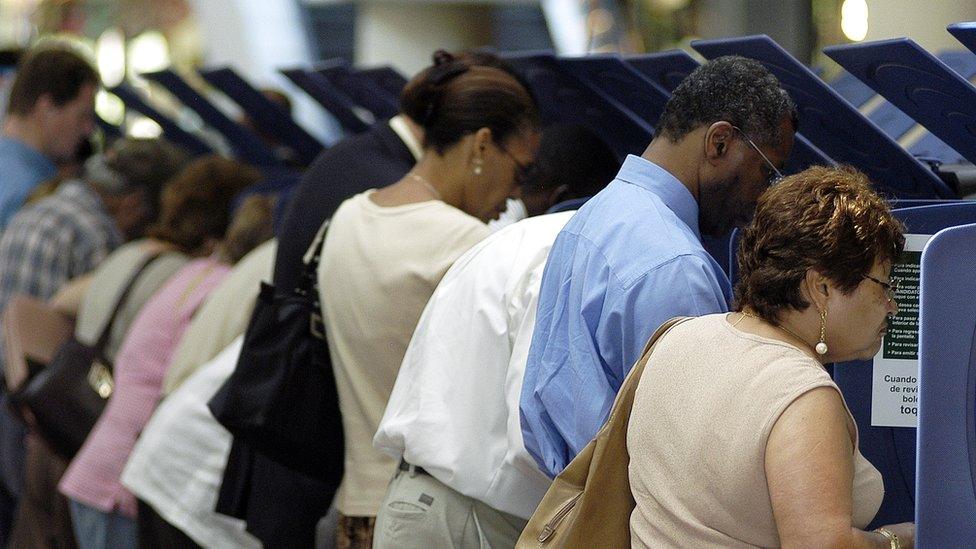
(821, 347)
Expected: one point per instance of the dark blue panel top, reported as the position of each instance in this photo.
(337, 103)
(387, 78)
(247, 146)
(272, 118)
(608, 73)
(563, 97)
(965, 33)
(918, 84)
(364, 92)
(833, 124)
(193, 144)
(667, 68)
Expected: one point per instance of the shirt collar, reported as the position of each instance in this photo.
(639, 171)
(401, 128)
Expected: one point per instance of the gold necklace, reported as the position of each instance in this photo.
(781, 327)
(426, 184)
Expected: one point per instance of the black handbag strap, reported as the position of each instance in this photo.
(308, 286)
(107, 329)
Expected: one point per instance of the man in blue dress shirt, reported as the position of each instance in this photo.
(49, 111)
(632, 257)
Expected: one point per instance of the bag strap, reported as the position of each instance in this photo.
(633, 377)
(107, 330)
(308, 286)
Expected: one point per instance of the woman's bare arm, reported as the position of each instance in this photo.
(810, 472)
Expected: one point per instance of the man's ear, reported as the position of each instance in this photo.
(718, 137)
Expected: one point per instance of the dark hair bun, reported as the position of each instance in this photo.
(441, 56)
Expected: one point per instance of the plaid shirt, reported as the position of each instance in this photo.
(54, 240)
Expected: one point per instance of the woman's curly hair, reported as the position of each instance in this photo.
(826, 219)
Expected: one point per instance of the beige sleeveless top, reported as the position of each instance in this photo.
(702, 414)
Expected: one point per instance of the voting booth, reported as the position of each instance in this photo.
(269, 116)
(946, 475)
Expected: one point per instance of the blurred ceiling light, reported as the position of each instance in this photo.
(148, 52)
(110, 54)
(854, 19)
(142, 127)
(110, 108)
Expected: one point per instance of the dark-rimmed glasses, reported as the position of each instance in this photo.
(889, 287)
(775, 175)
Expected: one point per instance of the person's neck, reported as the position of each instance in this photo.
(439, 173)
(24, 130)
(680, 159)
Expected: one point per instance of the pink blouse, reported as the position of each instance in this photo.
(142, 360)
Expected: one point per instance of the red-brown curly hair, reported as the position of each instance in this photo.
(826, 219)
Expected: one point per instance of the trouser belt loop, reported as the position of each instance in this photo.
(414, 470)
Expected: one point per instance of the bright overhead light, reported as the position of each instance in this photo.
(148, 52)
(110, 54)
(142, 127)
(854, 19)
(109, 107)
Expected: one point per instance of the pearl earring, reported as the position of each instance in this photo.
(477, 167)
(821, 347)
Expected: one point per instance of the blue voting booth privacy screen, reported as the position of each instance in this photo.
(191, 143)
(611, 75)
(334, 101)
(919, 84)
(247, 146)
(270, 116)
(835, 126)
(946, 476)
(564, 98)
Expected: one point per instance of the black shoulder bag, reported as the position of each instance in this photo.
(281, 398)
(67, 397)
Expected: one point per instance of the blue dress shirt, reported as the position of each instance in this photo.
(630, 259)
(21, 169)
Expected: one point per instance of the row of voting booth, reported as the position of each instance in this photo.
(905, 117)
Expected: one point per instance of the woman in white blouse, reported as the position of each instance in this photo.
(386, 250)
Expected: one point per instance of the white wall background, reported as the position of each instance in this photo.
(924, 21)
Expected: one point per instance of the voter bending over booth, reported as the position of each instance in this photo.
(632, 256)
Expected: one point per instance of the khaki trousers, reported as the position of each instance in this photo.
(421, 512)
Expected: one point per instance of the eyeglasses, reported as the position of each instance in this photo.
(521, 170)
(890, 287)
(774, 175)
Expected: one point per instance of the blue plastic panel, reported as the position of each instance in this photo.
(337, 103)
(919, 84)
(946, 480)
(611, 75)
(667, 69)
(191, 143)
(563, 97)
(247, 146)
(835, 126)
(362, 91)
(269, 115)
